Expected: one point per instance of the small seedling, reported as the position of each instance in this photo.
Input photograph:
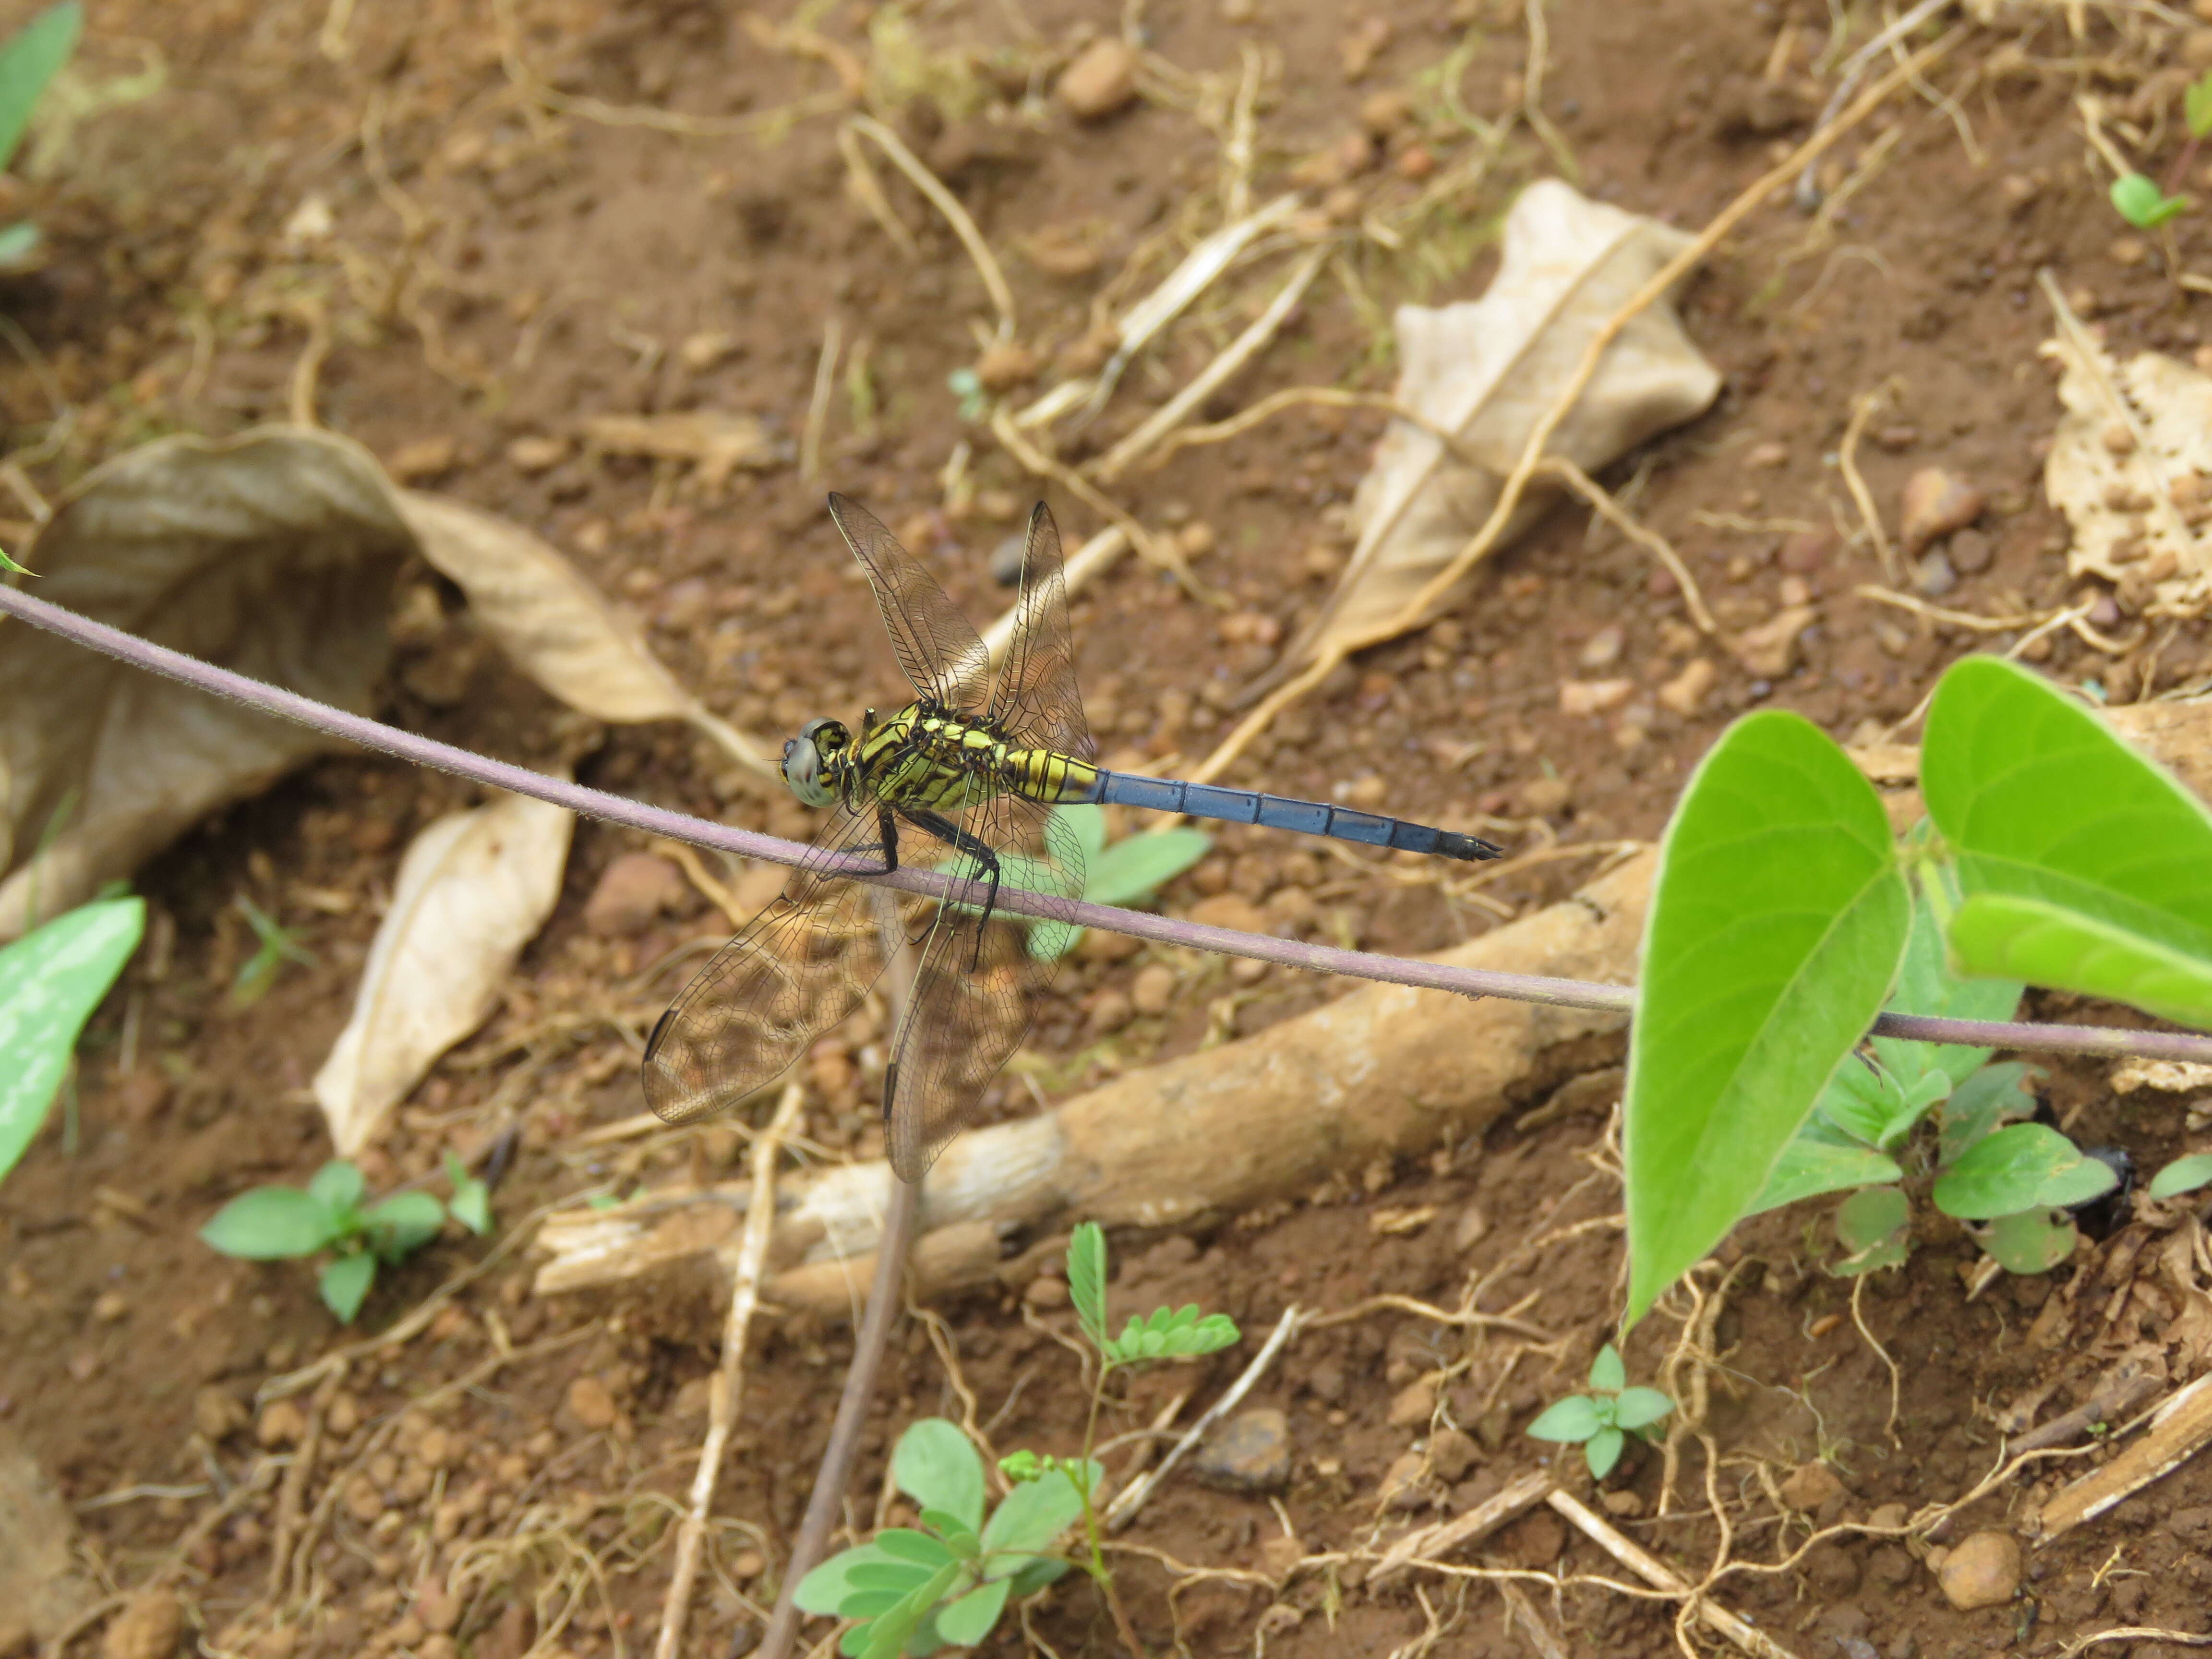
(277, 945)
(2184, 1175)
(1601, 1421)
(471, 1204)
(2138, 200)
(31, 58)
(51, 980)
(967, 385)
(278, 1223)
(1128, 872)
(912, 1591)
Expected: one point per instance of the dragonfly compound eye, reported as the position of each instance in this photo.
(804, 762)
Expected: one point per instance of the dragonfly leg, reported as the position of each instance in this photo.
(986, 860)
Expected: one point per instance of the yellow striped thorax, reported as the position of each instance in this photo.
(925, 758)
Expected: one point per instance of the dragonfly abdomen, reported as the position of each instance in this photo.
(1307, 818)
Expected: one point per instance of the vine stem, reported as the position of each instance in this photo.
(2111, 1042)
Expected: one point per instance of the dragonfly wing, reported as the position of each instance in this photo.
(1036, 699)
(970, 1008)
(792, 972)
(940, 653)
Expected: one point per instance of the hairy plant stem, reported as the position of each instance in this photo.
(2111, 1042)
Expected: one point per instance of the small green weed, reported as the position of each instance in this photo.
(275, 945)
(1128, 872)
(2184, 1175)
(51, 980)
(31, 58)
(278, 1223)
(914, 1591)
(1601, 1421)
(2137, 200)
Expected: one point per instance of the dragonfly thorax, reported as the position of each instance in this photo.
(814, 761)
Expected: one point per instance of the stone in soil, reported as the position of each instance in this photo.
(1452, 1453)
(1101, 80)
(150, 1625)
(592, 1403)
(1811, 1485)
(1970, 552)
(1248, 1453)
(1685, 694)
(631, 894)
(1935, 503)
(1414, 1404)
(1770, 650)
(1933, 577)
(1982, 1572)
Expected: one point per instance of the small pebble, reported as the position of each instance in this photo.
(1248, 1453)
(282, 1423)
(1412, 1405)
(1809, 1485)
(1229, 911)
(217, 1413)
(533, 455)
(2128, 251)
(1579, 697)
(1452, 1453)
(1970, 552)
(1770, 650)
(1622, 1503)
(1982, 1572)
(700, 352)
(1686, 693)
(1933, 577)
(1045, 1293)
(423, 459)
(1541, 797)
(1153, 991)
(150, 1627)
(1602, 651)
(1005, 365)
(1806, 551)
(592, 1403)
(1101, 80)
(1935, 503)
(631, 894)
(1768, 455)
(1401, 1486)
(1110, 1011)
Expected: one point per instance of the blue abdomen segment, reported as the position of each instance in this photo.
(1306, 817)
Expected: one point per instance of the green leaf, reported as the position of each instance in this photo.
(960, 1539)
(2016, 1168)
(1086, 1280)
(403, 1224)
(2184, 1175)
(889, 1629)
(1775, 923)
(2054, 945)
(51, 980)
(1821, 1158)
(2196, 105)
(344, 1283)
(1033, 1515)
(18, 242)
(470, 1206)
(337, 1187)
(1140, 866)
(269, 1224)
(2033, 1242)
(968, 1621)
(1036, 1573)
(1575, 1417)
(1181, 1333)
(2084, 865)
(27, 62)
(824, 1589)
(1602, 1450)
(905, 1544)
(899, 1577)
(2142, 204)
(1607, 1372)
(1993, 1095)
(1639, 1408)
(1871, 1225)
(936, 1465)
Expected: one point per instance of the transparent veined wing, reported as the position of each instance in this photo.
(940, 653)
(1036, 699)
(797, 969)
(976, 989)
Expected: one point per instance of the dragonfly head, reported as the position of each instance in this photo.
(813, 760)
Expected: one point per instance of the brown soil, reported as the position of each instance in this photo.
(552, 265)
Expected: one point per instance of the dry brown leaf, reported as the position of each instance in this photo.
(271, 553)
(474, 887)
(719, 443)
(2131, 466)
(553, 625)
(1487, 370)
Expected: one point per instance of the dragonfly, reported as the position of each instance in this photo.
(973, 764)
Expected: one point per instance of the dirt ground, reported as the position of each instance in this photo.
(505, 249)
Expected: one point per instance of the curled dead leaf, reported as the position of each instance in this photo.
(473, 889)
(2139, 508)
(1487, 371)
(272, 554)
